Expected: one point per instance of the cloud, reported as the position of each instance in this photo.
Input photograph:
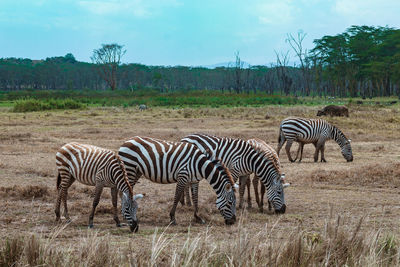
(137, 8)
(367, 10)
(275, 12)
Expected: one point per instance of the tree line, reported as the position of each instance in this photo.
(363, 61)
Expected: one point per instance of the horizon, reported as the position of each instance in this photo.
(179, 33)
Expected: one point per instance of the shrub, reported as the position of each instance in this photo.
(28, 105)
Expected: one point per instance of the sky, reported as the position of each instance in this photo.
(180, 32)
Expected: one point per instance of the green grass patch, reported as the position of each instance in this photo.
(36, 100)
(28, 105)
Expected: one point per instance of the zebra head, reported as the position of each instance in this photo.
(275, 193)
(226, 199)
(346, 151)
(129, 209)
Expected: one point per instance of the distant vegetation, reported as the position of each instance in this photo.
(361, 62)
(26, 105)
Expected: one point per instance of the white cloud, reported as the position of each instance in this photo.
(137, 8)
(275, 12)
(368, 11)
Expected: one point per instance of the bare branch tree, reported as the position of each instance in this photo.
(282, 62)
(302, 54)
(108, 58)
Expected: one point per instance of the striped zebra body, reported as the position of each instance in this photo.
(176, 162)
(273, 156)
(97, 167)
(315, 131)
(242, 159)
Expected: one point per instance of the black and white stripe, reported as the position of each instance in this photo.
(98, 167)
(315, 131)
(242, 158)
(176, 162)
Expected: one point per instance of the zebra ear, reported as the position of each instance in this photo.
(137, 196)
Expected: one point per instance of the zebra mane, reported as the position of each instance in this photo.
(124, 173)
(266, 150)
(224, 169)
(339, 134)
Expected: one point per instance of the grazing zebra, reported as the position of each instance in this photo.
(98, 167)
(273, 156)
(170, 162)
(243, 158)
(315, 131)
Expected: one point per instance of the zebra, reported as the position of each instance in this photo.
(176, 162)
(243, 158)
(271, 153)
(97, 167)
(315, 131)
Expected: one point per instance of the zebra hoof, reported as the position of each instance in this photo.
(199, 220)
(90, 226)
(118, 225)
(68, 220)
(173, 222)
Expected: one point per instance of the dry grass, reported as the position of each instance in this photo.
(338, 213)
(338, 245)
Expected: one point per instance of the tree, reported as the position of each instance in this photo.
(107, 59)
(297, 45)
(238, 73)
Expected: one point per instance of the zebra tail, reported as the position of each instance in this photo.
(280, 135)
(58, 181)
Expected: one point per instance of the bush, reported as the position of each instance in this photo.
(28, 105)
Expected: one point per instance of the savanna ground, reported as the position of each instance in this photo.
(337, 212)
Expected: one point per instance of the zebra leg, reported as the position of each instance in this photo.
(61, 178)
(287, 148)
(317, 149)
(248, 192)
(180, 187)
(195, 196)
(323, 153)
(98, 191)
(301, 146)
(281, 142)
(298, 151)
(242, 187)
(70, 182)
(187, 194)
(114, 199)
(255, 185)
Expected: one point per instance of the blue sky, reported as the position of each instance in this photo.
(178, 32)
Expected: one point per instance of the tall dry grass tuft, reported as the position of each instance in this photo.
(342, 243)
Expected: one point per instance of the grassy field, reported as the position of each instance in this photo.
(337, 212)
(39, 100)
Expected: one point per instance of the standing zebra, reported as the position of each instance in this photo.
(243, 158)
(315, 131)
(98, 167)
(170, 162)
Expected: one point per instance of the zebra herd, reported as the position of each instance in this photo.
(222, 161)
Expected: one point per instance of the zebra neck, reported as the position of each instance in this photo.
(338, 136)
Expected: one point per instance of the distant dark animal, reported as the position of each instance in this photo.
(359, 102)
(333, 110)
(393, 102)
(142, 107)
(315, 131)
